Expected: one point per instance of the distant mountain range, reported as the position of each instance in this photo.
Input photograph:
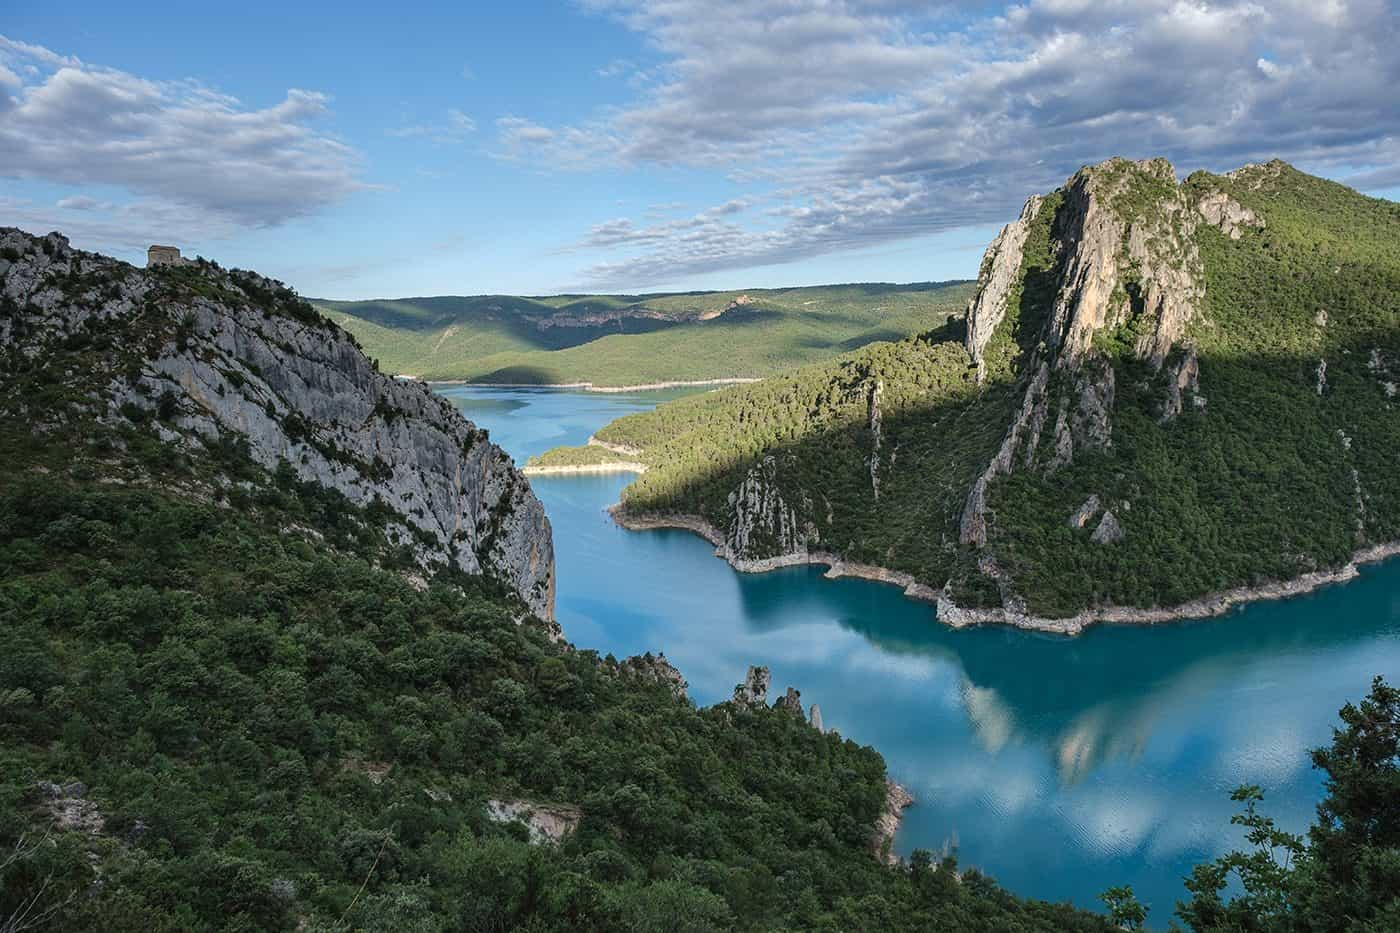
(622, 340)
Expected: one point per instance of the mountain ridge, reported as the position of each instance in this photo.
(1164, 392)
(212, 361)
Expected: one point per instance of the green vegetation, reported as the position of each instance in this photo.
(638, 339)
(1258, 486)
(589, 455)
(1262, 476)
(1346, 875)
(937, 432)
(229, 701)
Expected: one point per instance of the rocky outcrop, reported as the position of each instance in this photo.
(875, 424)
(1183, 381)
(897, 799)
(654, 668)
(815, 718)
(754, 690)
(545, 823)
(1001, 268)
(1222, 211)
(1126, 257)
(973, 528)
(1127, 276)
(68, 808)
(1086, 512)
(791, 702)
(1110, 531)
(761, 522)
(214, 358)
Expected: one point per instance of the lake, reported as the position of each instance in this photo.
(1059, 766)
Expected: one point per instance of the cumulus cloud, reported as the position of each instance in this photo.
(182, 152)
(870, 120)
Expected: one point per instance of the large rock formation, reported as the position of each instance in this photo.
(1001, 268)
(1126, 272)
(754, 690)
(214, 358)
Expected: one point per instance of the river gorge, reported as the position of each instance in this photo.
(1060, 766)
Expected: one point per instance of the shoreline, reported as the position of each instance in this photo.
(576, 468)
(955, 616)
(591, 387)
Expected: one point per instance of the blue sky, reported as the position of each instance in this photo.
(359, 150)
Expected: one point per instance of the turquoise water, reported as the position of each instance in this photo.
(1059, 766)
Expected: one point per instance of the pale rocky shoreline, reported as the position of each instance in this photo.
(577, 468)
(955, 616)
(590, 387)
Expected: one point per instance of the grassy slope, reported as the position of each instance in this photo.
(1257, 487)
(495, 339)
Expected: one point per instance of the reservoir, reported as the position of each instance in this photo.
(1059, 766)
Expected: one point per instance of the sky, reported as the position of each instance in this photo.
(360, 150)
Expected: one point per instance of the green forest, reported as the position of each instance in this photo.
(1265, 476)
(229, 701)
(619, 340)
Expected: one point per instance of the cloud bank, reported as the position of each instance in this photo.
(864, 121)
(186, 160)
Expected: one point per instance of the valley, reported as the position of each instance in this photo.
(607, 342)
(1103, 439)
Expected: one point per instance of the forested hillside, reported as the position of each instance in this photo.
(1163, 390)
(241, 694)
(638, 339)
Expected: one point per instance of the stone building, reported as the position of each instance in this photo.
(163, 256)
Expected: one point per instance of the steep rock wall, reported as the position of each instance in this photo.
(247, 360)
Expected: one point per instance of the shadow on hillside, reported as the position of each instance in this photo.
(1253, 487)
(518, 375)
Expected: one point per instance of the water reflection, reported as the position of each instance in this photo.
(1062, 766)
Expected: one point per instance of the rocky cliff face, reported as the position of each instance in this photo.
(211, 358)
(1125, 274)
(761, 523)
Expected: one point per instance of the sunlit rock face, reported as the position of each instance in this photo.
(231, 358)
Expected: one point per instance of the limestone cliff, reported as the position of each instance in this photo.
(1126, 276)
(211, 358)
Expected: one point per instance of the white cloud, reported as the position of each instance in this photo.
(184, 153)
(81, 202)
(875, 119)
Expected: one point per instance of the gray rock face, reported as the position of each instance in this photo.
(1220, 210)
(875, 424)
(298, 390)
(754, 690)
(973, 527)
(1110, 531)
(1085, 513)
(1097, 290)
(69, 809)
(791, 701)
(547, 824)
(761, 523)
(1119, 262)
(654, 668)
(896, 800)
(815, 719)
(1183, 380)
(1001, 265)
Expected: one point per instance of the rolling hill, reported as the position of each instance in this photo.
(619, 340)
